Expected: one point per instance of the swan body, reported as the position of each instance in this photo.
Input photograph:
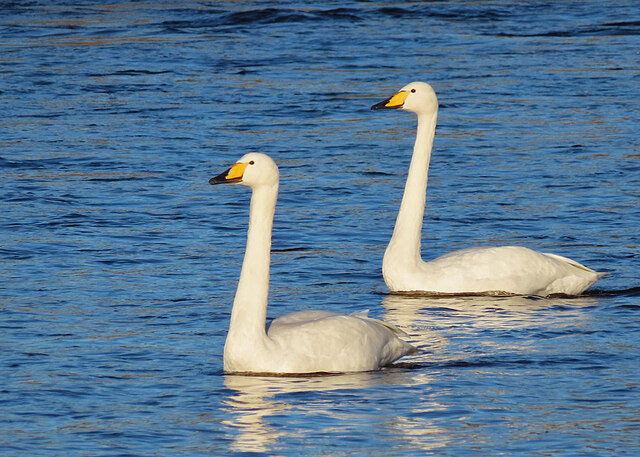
(491, 270)
(301, 342)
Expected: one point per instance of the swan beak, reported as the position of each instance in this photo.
(233, 174)
(394, 102)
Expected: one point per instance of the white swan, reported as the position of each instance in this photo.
(300, 342)
(490, 270)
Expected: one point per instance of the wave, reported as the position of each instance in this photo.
(629, 292)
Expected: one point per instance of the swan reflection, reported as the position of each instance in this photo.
(256, 400)
(326, 403)
(431, 321)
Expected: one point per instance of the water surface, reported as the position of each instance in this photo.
(120, 262)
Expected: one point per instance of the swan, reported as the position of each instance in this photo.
(503, 270)
(301, 342)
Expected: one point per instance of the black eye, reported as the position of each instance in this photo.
(251, 163)
(413, 91)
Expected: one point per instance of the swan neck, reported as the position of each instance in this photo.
(248, 317)
(408, 230)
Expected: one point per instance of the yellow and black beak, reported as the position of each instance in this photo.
(394, 102)
(233, 174)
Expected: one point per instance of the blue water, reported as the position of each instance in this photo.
(119, 261)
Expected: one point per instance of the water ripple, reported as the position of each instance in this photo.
(120, 262)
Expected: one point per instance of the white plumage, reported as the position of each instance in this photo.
(495, 270)
(300, 342)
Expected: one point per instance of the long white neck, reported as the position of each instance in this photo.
(405, 241)
(248, 317)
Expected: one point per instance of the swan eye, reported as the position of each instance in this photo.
(251, 163)
(413, 91)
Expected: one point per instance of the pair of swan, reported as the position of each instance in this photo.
(322, 341)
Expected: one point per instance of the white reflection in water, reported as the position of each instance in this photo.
(433, 321)
(254, 403)
(259, 402)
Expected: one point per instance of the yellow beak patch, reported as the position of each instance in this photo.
(397, 100)
(232, 175)
(236, 171)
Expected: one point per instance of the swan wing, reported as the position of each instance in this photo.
(309, 316)
(322, 341)
(505, 270)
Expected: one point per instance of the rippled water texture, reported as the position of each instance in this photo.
(119, 261)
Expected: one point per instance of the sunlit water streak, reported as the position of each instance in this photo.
(120, 262)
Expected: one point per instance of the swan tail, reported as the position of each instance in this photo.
(575, 264)
(364, 315)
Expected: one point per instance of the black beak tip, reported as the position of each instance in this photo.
(383, 105)
(222, 178)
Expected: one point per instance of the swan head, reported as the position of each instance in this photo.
(253, 169)
(417, 97)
